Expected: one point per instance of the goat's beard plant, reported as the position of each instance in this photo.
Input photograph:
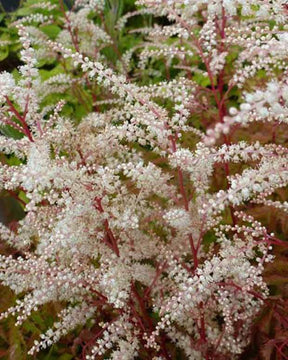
(124, 221)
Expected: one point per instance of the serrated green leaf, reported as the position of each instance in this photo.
(11, 132)
(12, 160)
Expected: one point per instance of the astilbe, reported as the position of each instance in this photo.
(119, 207)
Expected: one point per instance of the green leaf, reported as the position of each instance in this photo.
(66, 357)
(23, 11)
(201, 79)
(80, 112)
(23, 197)
(17, 346)
(262, 74)
(155, 315)
(29, 326)
(38, 320)
(51, 30)
(45, 61)
(208, 239)
(13, 160)
(67, 110)
(50, 354)
(10, 210)
(11, 132)
(4, 52)
(46, 74)
(232, 56)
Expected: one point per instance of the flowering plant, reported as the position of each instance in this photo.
(140, 173)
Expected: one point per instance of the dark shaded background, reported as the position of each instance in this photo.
(10, 5)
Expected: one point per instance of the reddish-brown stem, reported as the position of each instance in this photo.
(238, 287)
(227, 173)
(137, 316)
(74, 37)
(95, 107)
(14, 125)
(182, 189)
(103, 297)
(159, 271)
(275, 241)
(202, 328)
(180, 180)
(111, 240)
(219, 340)
(221, 106)
(20, 118)
(26, 107)
(89, 343)
(146, 318)
(142, 306)
(200, 235)
(185, 203)
(279, 350)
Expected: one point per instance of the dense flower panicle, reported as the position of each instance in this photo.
(124, 220)
(7, 84)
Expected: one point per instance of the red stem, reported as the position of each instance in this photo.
(21, 119)
(158, 273)
(111, 241)
(74, 37)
